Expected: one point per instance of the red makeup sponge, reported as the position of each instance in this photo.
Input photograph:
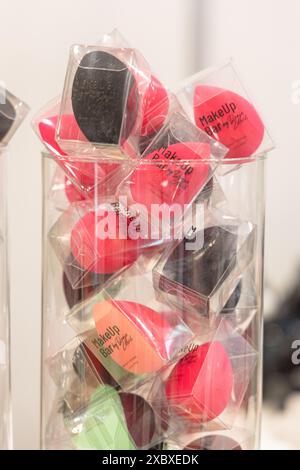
(102, 255)
(228, 118)
(86, 174)
(155, 107)
(154, 324)
(200, 385)
(169, 178)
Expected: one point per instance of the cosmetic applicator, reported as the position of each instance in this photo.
(228, 118)
(200, 385)
(137, 338)
(103, 92)
(102, 255)
(168, 175)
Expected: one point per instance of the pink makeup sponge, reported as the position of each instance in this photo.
(101, 255)
(154, 325)
(228, 118)
(169, 178)
(200, 385)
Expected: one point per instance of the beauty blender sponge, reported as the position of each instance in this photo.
(200, 385)
(102, 255)
(104, 98)
(172, 175)
(155, 107)
(139, 340)
(7, 118)
(228, 118)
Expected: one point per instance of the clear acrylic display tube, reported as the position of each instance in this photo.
(154, 343)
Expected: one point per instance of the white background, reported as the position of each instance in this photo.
(178, 37)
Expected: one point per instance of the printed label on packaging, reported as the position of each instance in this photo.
(229, 118)
(121, 340)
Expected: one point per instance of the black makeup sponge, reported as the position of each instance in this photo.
(7, 117)
(104, 98)
(202, 268)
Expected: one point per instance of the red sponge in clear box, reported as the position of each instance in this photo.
(97, 237)
(217, 102)
(208, 383)
(174, 169)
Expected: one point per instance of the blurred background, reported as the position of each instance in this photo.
(178, 37)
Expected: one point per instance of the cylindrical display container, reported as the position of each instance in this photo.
(152, 302)
(5, 397)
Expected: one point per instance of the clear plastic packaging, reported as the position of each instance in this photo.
(12, 112)
(216, 100)
(102, 102)
(175, 168)
(200, 276)
(206, 386)
(93, 241)
(134, 335)
(5, 394)
(91, 178)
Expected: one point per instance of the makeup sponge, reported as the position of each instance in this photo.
(203, 268)
(100, 252)
(132, 335)
(228, 118)
(200, 385)
(7, 118)
(171, 175)
(104, 98)
(103, 423)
